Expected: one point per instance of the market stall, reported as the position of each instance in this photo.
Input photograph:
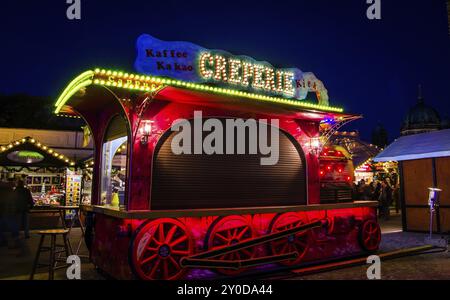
(49, 175)
(372, 171)
(165, 206)
(424, 164)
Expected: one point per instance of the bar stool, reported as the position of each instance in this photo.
(53, 233)
(76, 217)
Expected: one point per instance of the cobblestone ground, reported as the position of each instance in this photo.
(17, 263)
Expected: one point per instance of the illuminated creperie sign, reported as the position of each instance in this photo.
(245, 74)
(192, 63)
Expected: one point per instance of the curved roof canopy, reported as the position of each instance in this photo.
(143, 83)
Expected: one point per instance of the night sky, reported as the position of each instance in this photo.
(368, 67)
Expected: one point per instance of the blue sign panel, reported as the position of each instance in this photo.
(189, 62)
(170, 59)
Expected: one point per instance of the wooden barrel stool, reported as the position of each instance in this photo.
(53, 248)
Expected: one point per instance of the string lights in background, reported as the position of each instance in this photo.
(39, 145)
(89, 164)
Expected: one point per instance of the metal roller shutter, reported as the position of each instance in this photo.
(226, 181)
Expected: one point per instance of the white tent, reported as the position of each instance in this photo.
(417, 146)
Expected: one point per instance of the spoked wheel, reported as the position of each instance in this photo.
(227, 231)
(370, 235)
(157, 248)
(298, 242)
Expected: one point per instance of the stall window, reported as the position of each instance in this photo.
(114, 163)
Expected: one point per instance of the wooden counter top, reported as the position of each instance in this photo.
(151, 214)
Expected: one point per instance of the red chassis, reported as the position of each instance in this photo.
(146, 240)
(125, 241)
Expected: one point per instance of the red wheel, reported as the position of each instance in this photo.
(227, 231)
(370, 235)
(298, 242)
(157, 248)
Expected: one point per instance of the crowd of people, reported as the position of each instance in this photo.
(15, 203)
(384, 191)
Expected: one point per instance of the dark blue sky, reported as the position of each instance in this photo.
(368, 67)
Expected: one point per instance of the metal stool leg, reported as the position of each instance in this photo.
(67, 246)
(51, 265)
(80, 242)
(81, 222)
(70, 229)
(36, 260)
(63, 221)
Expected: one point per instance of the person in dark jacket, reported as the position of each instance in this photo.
(365, 190)
(385, 199)
(4, 187)
(388, 199)
(24, 202)
(396, 197)
(10, 210)
(377, 191)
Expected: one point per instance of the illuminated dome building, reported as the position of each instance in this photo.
(420, 118)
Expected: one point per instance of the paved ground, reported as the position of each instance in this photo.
(17, 263)
(418, 267)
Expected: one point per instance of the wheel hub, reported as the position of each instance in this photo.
(291, 238)
(164, 251)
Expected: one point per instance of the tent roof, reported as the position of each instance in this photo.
(417, 146)
(39, 155)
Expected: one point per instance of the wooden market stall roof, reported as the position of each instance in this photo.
(29, 152)
(417, 146)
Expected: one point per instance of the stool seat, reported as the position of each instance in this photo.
(53, 231)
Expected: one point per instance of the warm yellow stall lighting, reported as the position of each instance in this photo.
(38, 144)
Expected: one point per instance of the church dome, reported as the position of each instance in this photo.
(421, 118)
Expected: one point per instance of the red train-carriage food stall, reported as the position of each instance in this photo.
(160, 214)
(336, 174)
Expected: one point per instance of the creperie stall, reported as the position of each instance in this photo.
(160, 213)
